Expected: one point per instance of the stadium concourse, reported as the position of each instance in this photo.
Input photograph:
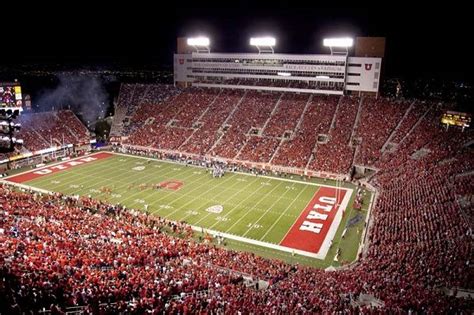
(58, 252)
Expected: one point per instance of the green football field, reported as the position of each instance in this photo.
(258, 208)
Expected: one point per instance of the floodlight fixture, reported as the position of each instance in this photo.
(262, 41)
(263, 44)
(201, 43)
(339, 45)
(338, 42)
(198, 41)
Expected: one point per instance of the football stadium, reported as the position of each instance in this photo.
(252, 182)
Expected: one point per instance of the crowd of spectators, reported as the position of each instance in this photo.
(134, 104)
(378, 118)
(243, 125)
(60, 251)
(43, 130)
(288, 114)
(297, 151)
(211, 122)
(336, 154)
(416, 112)
(251, 114)
(259, 149)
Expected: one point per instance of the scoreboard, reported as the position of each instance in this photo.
(451, 118)
(10, 95)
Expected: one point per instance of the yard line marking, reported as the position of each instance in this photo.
(241, 201)
(234, 207)
(250, 209)
(188, 193)
(237, 172)
(233, 195)
(169, 192)
(108, 178)
(208, 190)
(105, 179)
(281, 215)
(265, 213)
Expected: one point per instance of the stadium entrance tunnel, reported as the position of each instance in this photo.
(361, 172)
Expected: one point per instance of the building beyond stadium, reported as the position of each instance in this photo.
(319, 73)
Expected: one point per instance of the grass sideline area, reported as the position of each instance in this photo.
(254, 207)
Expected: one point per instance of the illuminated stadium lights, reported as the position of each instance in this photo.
(198, 41)
(262, 41)
(322, 77)
(338, 42)
(284, 74)
(338, 45)
(263, 44)
(201, 44)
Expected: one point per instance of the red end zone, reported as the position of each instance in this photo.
(311, 228)
(21, 178)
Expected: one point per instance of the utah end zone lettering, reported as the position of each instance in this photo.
(21, 178)
(64, 166)
(325, 205)
(312, 226)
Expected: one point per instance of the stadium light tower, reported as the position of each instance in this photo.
(263, 44)
(338, 45)
(201, 44)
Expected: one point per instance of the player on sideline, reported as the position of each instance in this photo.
(217, 170)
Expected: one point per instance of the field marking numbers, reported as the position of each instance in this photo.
(254, 226)
(244, 199)
(222, 219)
(266, 212)
(283, 212)
(165, 207)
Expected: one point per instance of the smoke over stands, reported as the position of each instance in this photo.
(83, 94)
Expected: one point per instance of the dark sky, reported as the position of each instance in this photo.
(420, 41)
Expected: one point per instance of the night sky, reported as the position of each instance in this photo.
(420, 42)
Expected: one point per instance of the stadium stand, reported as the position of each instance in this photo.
(288, 113)
(381, 112)
(204, 138)
(250, 116)
(316, 120)
(60, 253)
(418, 242)
(135, 102)
(335, 156)
(45, 129)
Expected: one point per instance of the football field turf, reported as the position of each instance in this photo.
(251, 211)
